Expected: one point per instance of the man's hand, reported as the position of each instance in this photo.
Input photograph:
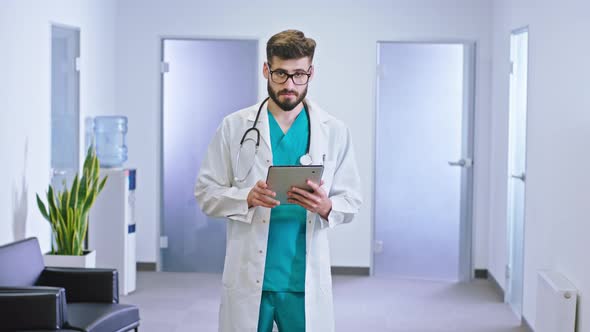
(261, 196)
(316, 201)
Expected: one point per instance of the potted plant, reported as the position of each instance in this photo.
(67, 213)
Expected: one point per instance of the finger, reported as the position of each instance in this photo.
(258, 187)
(312, 184)
(261, 184)
(317, 188)
(262, 203)
(265, 192)
(267, 199)
(302, 204)
(306, 194)
(304, 201)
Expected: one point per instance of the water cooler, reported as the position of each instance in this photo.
(111, 229)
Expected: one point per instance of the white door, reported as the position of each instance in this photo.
(203, 81)
(65, 110)
(423, 174)
(517, 168)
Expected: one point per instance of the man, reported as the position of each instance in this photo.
(277, 263)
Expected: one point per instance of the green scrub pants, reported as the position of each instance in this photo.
(287, 309)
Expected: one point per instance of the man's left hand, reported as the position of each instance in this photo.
(316, 201)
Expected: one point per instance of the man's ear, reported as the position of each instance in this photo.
(265, 70)
(312, 72)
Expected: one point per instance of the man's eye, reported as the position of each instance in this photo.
(280, 73)
(298, 75)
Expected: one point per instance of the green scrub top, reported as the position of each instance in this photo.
(285, 254)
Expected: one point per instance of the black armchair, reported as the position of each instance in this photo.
(38, 298)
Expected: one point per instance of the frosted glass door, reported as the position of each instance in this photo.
(205, 81)
(423, 161)
(517, 168)
(65, 114)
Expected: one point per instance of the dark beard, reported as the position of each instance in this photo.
(286, 106)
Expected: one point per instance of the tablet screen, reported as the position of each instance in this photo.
(281, 178)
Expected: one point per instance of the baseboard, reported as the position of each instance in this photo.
(496, 285)
(350, 270)
(523, 322)
(339, 270)
(485, 274)
(146, 266)
(526, 325)
(481, 274)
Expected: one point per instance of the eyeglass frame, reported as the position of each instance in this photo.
(290, 76)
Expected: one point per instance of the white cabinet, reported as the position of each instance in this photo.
(111, 229)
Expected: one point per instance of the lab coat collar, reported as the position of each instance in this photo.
(317, 118)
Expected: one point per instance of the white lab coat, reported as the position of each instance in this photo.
(247, 229)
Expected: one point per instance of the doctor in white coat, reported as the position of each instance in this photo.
(237, 191)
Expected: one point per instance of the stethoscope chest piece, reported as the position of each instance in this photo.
(305, 160)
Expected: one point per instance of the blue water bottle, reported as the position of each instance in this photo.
(109, 135)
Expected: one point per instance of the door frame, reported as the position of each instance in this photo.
(466, 266)
(160, 171)
(80, 151)
(509, 227)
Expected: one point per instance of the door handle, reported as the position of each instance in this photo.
(521, 176)
(56, 172)
(464, 162)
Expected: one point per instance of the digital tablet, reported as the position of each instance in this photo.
(281, 178)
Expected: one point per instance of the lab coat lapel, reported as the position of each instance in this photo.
(318, 141)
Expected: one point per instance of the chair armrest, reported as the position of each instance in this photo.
(32, 308)
(83, 285)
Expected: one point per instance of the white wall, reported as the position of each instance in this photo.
(558, 127)
(558, 158)
(25, 111)
(347, 33)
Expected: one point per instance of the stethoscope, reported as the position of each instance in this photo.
(303, 160)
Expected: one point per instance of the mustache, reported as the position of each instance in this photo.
(283, 92)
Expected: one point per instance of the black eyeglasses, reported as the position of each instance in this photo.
(280, 76)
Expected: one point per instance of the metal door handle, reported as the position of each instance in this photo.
(56, 172)
(465, 162)
(521, 177)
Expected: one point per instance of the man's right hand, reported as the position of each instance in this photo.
(260, 195)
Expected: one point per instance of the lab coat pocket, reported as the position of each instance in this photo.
(231, 265)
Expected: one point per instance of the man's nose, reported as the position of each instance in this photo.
(290, 83)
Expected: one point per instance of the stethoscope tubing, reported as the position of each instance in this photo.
(304, 160)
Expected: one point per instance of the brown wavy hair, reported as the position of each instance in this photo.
(290, 44)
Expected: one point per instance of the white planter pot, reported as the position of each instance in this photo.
(85, 261)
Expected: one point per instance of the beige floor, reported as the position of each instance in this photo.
(189, 302)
